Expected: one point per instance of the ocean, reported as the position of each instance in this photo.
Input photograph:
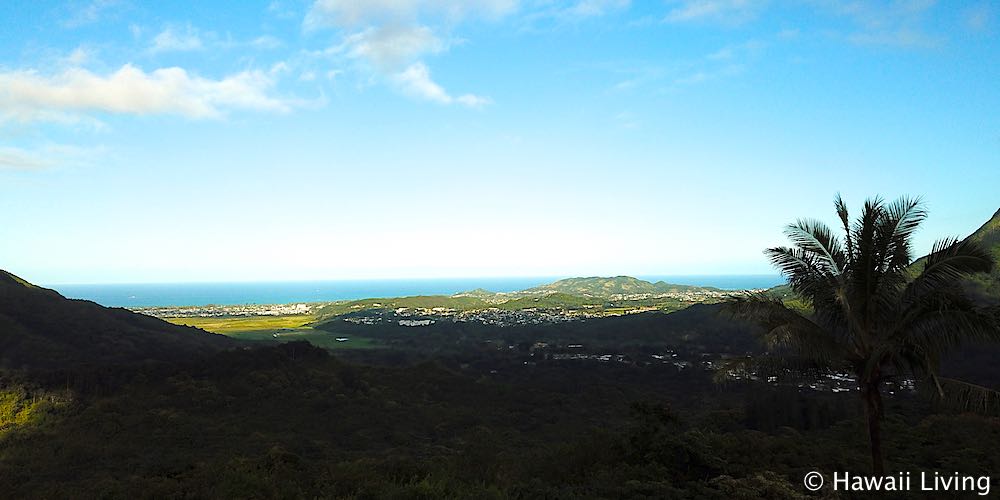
(199, 294)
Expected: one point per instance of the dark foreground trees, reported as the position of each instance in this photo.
(869, 310)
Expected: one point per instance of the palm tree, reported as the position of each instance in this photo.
(868, 310)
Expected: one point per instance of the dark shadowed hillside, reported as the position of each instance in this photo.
(700, 328)
(40, 329)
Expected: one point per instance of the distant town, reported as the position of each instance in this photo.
(490, 309)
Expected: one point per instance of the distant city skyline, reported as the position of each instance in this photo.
(329, 139)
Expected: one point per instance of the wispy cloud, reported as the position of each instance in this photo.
(903, 37)
(340, 13)
(390, 47)
(978, 18)
(78, 56)
(394, 36)
(724, 11)
(729, 61)
(280, 10)
(544, 15)
(188, 38)
(90, 12)
(45, 156)
(738, 50)
(19, 159)
(266, 42)
(589, 8)
(30, 96)
(627, 120)
(899, 23)
(416, 80)
(173, 39)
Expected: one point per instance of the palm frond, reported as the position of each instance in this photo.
(900, 219)
(844, 215)
(965, 396)
(814, 236)
(939, 331)
(787, 331)
(950, 262)
(865, 274)
(805, 273)
(864, 228)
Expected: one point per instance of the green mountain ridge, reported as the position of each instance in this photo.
(565, 293)
(42, 330)
(597, 286)
(987, 286)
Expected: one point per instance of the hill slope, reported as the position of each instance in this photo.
(40, 329)
(988, 285)
(619, 285)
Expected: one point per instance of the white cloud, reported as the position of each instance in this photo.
(389, 47)
(903, 37)
(19, 159)
(266, 42)
(29, 96)
(173, 40)
(280, 10)
(91, 12)
(727, 62)
(393, 36)
(738, 50)
(46, 156)
(78, 57)
(722, 54)
(898, 23)
(726, 11)
(340, 13)
(416, 81)
(589, 8)
(693, 78)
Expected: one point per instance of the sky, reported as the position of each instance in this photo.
(335, 139)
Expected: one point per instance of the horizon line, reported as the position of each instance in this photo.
(327, 280)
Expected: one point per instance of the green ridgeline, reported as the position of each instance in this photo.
(618, 285)
(40, 330)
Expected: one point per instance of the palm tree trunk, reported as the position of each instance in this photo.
(871, 392)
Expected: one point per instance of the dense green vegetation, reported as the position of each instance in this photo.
(699, 329)
(618, 285)
(40, 329)
(293, 422)
(422, 301)
(98, 402)
(986, 287)
(556, 300)
(596, 295)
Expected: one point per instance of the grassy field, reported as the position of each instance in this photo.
(276, 329)
(229, 325)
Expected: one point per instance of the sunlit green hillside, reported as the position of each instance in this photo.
(618, 285)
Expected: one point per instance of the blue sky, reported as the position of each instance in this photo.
(272, 140)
